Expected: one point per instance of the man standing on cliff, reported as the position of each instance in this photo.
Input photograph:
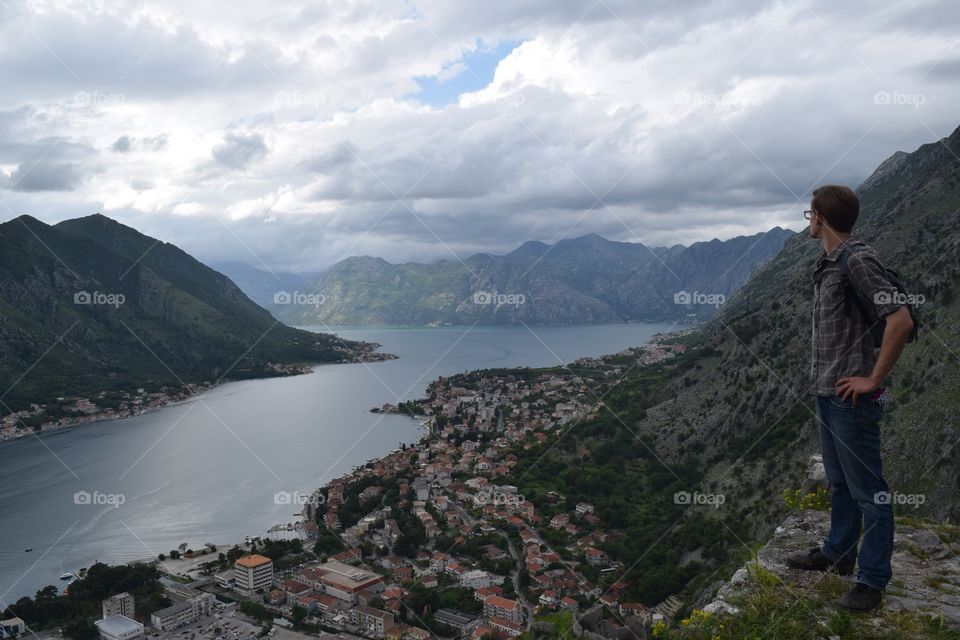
(848, 375)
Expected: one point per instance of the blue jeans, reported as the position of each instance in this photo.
(850, 441)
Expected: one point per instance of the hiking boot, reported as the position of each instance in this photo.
(814, 560)
(861, 598)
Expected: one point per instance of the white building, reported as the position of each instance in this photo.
(11, 627)
(172, 617)
(225, 579)
(252, 573)
(119, 628)
(119, 604)
(479, 579)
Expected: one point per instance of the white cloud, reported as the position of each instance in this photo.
(290, 131)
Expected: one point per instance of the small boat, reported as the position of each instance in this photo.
(28, 550)
(67, 576)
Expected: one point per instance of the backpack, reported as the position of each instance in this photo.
(877, 325)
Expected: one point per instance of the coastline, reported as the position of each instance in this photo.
(162, 400)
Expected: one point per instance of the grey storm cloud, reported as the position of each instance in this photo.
(238, 150)
(47, 164)
(45, 175)
(121, 144)
(125, 143)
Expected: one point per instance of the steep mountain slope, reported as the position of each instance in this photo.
(732, 417)
(91, 305)
(747, 398)
(581, 280)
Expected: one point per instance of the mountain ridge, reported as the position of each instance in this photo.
(91, 305)
(580, 280)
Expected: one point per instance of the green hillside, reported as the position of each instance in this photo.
(91, 305)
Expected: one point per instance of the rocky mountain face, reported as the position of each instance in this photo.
(740, 405)
(577, 281)
(89, 305)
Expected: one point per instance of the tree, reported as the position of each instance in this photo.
(161, 557)
(81, 629)
(174, 554)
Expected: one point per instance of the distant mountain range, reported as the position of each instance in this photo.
(89, 305)
(578, 281)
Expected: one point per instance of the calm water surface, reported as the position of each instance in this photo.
(207, 470)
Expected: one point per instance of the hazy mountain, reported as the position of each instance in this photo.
(263, 286)
(90, 304)
(577, 281)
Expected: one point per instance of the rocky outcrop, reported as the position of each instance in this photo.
(926, 568)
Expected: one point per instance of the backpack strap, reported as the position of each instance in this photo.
(849, 291)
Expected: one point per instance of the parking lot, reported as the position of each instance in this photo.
(231, 627)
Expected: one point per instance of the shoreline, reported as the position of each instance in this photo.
(193, 391)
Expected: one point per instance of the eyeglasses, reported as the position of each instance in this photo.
(809, 213)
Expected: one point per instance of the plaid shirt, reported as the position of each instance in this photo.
(842, 343)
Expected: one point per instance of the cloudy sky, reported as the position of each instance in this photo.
(290, 135)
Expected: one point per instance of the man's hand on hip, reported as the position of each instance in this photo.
(855, 386)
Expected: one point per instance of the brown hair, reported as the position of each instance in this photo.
(839, 205)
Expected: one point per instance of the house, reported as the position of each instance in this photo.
(294, 589)
(317, 603)
(549, 598)
(12, 627)
(403, 574)
(349, 556)
(583, 509)
(559, 521)
(372, 620)
(481, 631)
(610, 600)
(500, 607)
(477, 579)
(635, 609)
(596, 557)
(482, 594)
(439, 562)
(507, 627)
(462, 622)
